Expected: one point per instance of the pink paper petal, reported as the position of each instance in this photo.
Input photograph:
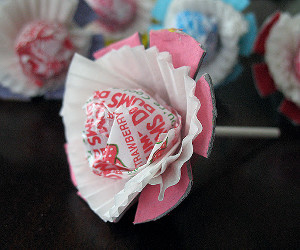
(185, 50)
(264, 81)
(131, 41)
(291, 111)
(259, 45)
(150, 208)
(206, 115)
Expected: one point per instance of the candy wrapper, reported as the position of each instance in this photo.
(133, 118)
(38, 41)
(117, 19)
(219, 26)
(279, 42)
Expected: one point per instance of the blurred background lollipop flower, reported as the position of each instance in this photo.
(279, 42)
(116, 19)
(38, 39)
(220, 26)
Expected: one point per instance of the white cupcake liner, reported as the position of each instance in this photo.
(281, 48)
(16, 13)
(128, 68)
(231, 25)
(140, 23)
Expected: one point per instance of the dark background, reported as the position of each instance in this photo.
(246, 195)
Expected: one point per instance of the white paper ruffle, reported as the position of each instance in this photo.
(128, 68)
(281, 48)
(231, 25)
(16, 13)
(140, 23)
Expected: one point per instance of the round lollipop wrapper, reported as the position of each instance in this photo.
(220, 26)
(117, 19)
(44, 49)
(114, 14)
(38, 39)
(279, 41)
(126, 129)
(139, 81)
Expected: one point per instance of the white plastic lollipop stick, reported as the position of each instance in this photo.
(248, 132)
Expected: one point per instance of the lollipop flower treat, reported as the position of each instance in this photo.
(133, 118)
(279, 43)
(38, 40)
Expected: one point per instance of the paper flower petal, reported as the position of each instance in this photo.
(151, 209)
(259, 45)
(160, 9)
(207, 113)
(84, 14)
(97, 43)
(184, 49)
(239, 5)
(247, 40)
(56, 94)
(131, 41)
(264, 82)
(6, 94)
(291, 111)
(236, 72)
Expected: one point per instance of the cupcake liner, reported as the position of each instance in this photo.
(13, 15)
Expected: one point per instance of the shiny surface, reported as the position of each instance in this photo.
(246, 195)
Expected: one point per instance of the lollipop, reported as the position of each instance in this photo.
(37, 45)
(114, 15)
(117, 19)
(279, 41)
(123, 127)
(143, 118)
(44, 49)
(221, 28)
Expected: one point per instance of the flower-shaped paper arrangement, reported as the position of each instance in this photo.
(38, 40)
(279, 42)
(117, 19)
(133, 118)
(218, 25)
